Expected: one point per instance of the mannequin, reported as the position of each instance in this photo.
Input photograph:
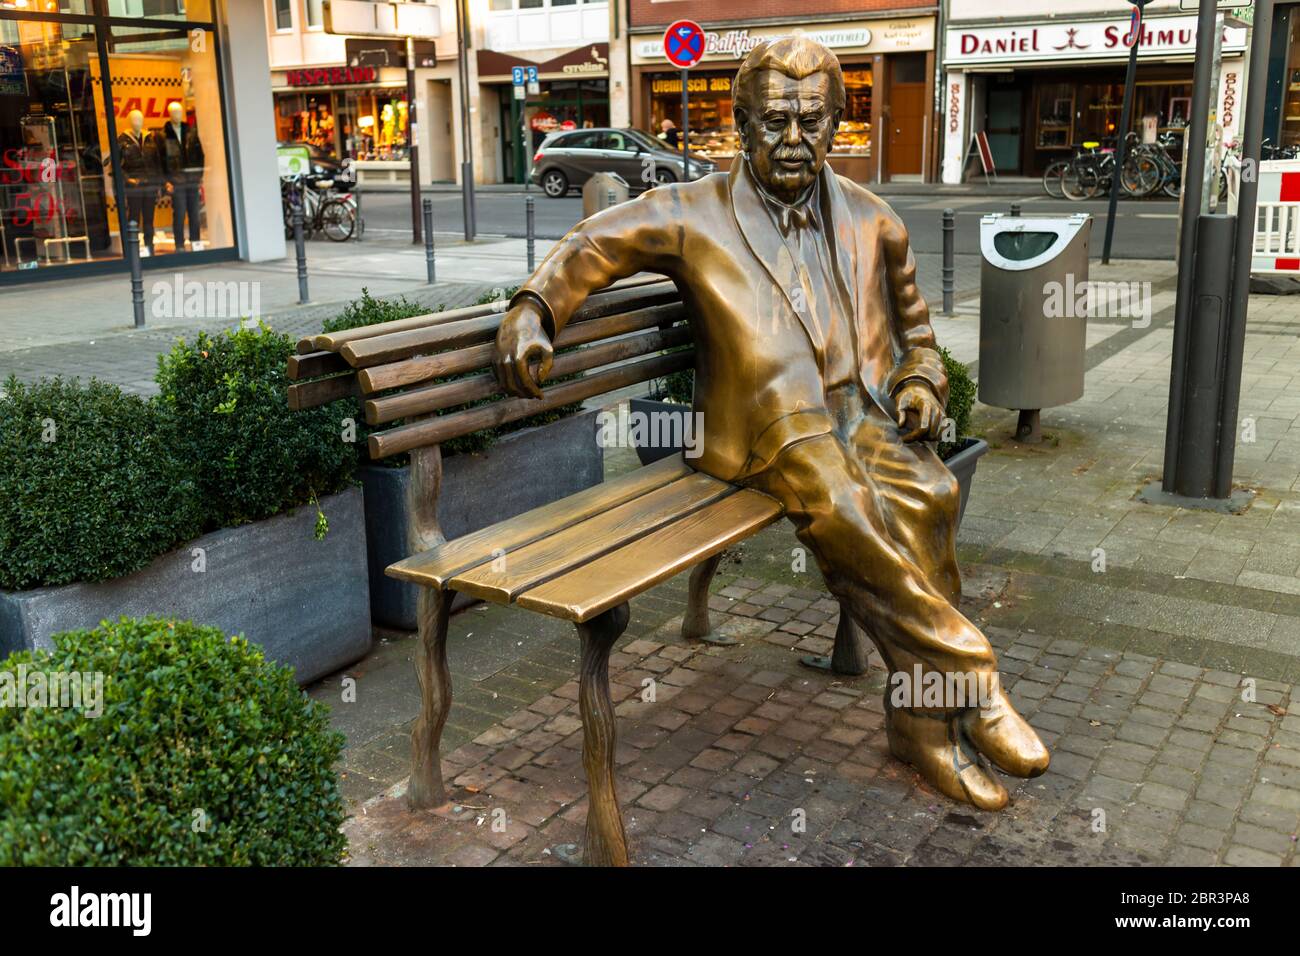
(182, 166)
(140, 169)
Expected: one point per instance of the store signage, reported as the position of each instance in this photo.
(1078, 39)
(597, 64)
(332, 76)
(736, 44)
(293, 160)
(696, 84)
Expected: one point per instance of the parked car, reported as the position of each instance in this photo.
(566, 160)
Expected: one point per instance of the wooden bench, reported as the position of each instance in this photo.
(581, 559)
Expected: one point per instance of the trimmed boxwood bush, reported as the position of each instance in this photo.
(368, 310)
(253, 456)
(91, 485)
(204, 754)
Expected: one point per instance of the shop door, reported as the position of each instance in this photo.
(1004, 127)
(906, 121)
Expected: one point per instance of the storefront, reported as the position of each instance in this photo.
(107, 118)
(888, 71)
(356, 111)
(1282, 104)
(572, 93)
(1038, 89)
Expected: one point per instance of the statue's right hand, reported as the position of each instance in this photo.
(524, 352)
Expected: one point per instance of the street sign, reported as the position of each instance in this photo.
(363, 19)
(534, 87)
(684, 44)
(517, 75)
(1222, 4)
(1134, 27)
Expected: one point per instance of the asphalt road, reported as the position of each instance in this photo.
(1144, 229)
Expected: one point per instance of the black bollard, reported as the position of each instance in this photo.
(528, 225)
(1015, 209)
(137, 271)
(429, 266)
(300, 247)
(949, 270)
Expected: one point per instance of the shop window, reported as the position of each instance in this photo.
(1055, 129)
(161, 9)
(48, 6)
(376, 125)
(854, 134)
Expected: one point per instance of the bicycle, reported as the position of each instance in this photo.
(335, 215)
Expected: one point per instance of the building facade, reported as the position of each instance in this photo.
(1040, 76)
(118, 111)
(886, 49)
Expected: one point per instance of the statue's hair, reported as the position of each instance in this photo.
(796, 57)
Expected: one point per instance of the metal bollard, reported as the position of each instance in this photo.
(361, 223)
(137, 271)
(611, 197)
(1015, 209)
(300, 247)
(529, 214)
(429, 266)
(948, 271)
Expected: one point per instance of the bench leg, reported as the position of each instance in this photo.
(606, 839)
(696, 625)
(851, 652)
(426, 789)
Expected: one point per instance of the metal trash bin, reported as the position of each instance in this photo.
(1033, 313)
(602, 191)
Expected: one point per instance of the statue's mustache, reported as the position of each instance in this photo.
(783, 153)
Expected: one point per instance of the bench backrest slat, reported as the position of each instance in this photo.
(433, 398)
(434, 431)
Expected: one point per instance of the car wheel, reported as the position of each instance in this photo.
(555, 184)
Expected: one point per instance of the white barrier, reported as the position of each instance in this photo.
(1277, 219)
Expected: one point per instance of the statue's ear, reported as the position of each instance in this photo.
(741, 117)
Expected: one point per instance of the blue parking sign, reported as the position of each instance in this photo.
(517, 75)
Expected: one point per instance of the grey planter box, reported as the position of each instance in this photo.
(306, 602)
(521, 471)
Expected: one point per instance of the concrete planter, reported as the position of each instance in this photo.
(656, 407)
(962, 464)
(521, 471)
(306, 602)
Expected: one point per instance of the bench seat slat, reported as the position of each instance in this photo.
(579, 543)
(435, 567)
(622, 574)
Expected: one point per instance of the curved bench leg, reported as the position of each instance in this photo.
(695, 624)
(851, 652)
(426, 789)
(606, 839)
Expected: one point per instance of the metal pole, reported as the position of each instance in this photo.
(300, 247)
(1125, 119)
(1210, 187)
(412, 139)
(429, 266)
(1194, 170)
(137, 272)
(467, 146)
(361, 222)
(1015, 209)
(949, 242)
(528, 226)
(1248, 192)
(686, 127)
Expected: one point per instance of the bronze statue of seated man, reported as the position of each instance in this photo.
(819, 383)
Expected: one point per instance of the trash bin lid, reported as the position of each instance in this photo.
(1020, 243)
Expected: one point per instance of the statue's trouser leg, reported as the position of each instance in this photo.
(880, 520)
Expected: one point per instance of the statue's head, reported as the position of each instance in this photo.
(788, 97)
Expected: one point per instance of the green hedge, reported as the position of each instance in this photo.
(91, 485)
(203, 754)
(253, 456)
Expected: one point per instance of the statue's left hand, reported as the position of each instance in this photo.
(920, 415)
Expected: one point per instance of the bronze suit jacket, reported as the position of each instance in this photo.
(759, 361)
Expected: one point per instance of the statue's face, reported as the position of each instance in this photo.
(789, 130)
